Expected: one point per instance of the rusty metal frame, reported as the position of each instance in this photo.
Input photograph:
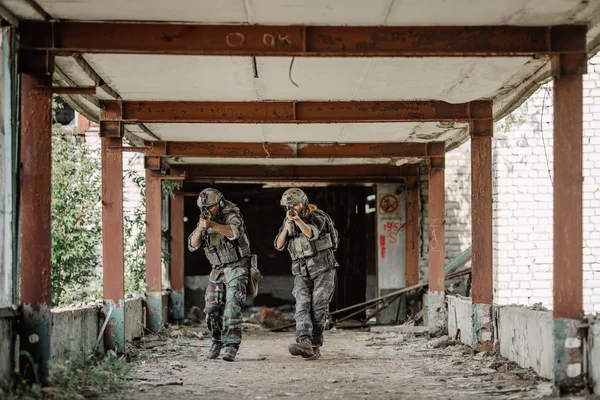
(312, 173)
(66, 37)
(282, 112)
(35, 226)
(291, 150)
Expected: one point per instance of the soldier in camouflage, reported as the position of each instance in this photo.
(311, 240)
(221, 233)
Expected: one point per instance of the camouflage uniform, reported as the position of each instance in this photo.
(313, 266)
(230, 259)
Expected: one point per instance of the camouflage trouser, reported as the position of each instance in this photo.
(312, 305)
(225, 297)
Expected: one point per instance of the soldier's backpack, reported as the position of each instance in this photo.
(335, 237)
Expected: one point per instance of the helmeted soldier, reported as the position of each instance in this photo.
(311, 241)
(222, 235)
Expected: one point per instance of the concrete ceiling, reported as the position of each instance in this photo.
(506, 81)
(339, 133)
(214, 78)
(326, 12)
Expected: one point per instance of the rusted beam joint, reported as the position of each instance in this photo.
(481, 109)
(568, 39)
(36, 62)
(152, 163)
(571, 64)
(111, 110)
(482, 128)
(436, 149)
(113, 129)
(157, 149)
(437, 162)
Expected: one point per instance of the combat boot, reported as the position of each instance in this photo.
(214, 351)
(317, 355)
(303, 348)
(229, 353)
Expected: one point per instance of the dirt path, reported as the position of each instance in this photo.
(354, 365)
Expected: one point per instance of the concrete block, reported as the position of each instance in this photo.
(460, 318)
(73, 331)
(134, 318)
(525, 336)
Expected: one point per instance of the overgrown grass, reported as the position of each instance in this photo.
(79, 378)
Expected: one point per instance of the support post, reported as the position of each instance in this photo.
(412, 230)
(113, 246)
(568, 221)
(154, 250)
(436, 311)
(177, 257)
(35, 225)
(481, 233)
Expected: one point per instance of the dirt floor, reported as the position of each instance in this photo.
(355, 364)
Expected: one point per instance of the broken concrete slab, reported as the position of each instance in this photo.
(417, 330)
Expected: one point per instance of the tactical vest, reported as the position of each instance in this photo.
(299, 246)
(219, 250)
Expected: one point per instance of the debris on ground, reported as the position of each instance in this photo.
(416, 330)
(386, 365)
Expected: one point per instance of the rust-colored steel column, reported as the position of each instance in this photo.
(412, 230)
(154, 250)
(437, 306)
(177, 257)
(113, 246)
(568, 221)
(35, 224)
(481, 233)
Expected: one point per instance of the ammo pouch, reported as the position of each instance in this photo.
(301, 247)
(224, 253)
(323, 242)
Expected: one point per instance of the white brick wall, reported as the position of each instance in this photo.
(522, 193)
(458, 201)
(131, 162)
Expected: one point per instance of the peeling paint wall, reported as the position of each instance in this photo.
(460, 318)
(74, 331)
(525, 336)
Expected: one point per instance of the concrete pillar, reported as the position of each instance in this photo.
(391, 246)
(154, 250)
(436, 311)
(113, 246)
(35, 224)
(177, 246)
(568, 220)
(481, 233)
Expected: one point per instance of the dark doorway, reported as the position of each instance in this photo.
(263, 216)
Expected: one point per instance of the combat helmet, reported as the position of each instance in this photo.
(293, 196)
(209, 197)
